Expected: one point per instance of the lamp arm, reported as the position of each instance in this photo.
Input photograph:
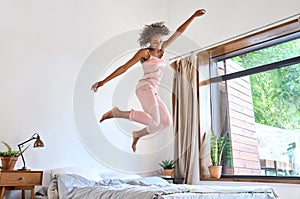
(36, 144)
(32, 138)
(23, 160)
(19, 145)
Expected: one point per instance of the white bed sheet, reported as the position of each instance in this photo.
(67, 186)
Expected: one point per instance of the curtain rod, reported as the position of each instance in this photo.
(296, 16)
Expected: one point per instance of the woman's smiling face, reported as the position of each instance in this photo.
(156, 41)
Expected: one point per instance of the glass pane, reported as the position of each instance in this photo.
(262, 57)
(221, 121)
(264, 122)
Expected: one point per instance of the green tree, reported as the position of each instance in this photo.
(275, 93)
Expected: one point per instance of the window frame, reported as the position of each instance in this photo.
(268, 37)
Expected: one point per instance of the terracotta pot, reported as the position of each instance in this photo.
(215, 171)
(168, 172)
(8, 163)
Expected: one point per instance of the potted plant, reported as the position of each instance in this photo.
(217, 145)
(168, 166)
(9, 157)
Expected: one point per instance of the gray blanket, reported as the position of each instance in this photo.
(76, 187)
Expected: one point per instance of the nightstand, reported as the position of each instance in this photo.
(20, 180)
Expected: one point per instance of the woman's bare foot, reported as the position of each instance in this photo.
(115, 113)
(136, 136)
(135, 140)
(109, 114)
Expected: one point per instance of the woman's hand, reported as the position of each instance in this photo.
(96, 86)
(200, 12)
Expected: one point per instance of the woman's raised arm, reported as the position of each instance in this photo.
(142, 53)
(182, 28)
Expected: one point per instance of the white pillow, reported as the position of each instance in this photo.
(88, 173)
(118, 175)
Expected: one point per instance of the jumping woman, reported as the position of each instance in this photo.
(155, 115)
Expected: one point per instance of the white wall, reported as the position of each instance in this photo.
(43, 47)
(51, 51)
(230, 18)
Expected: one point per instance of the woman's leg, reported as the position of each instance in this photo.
(153, 107)
(136, 135)
(165, 121)
(150, 115)
(154, 116)
(165, 116)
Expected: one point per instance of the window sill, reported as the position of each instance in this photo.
(264, 179)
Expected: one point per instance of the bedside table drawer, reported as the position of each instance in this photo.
(21, 178)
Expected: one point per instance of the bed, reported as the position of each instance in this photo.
(74, 186)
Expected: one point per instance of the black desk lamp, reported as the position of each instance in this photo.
(37, 143)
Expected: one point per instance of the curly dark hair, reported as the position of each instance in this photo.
(150, 30)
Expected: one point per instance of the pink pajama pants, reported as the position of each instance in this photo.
(155, 115)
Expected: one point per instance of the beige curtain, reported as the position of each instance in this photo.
(185, 118)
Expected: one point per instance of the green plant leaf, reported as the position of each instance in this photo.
(167, 164)
(217, 146)
(9, 149)
(10, 152)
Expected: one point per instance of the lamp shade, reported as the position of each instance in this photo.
(38, 142)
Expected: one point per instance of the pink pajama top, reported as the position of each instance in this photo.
(153, 71)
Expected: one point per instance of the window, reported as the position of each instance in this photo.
(254, 96)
